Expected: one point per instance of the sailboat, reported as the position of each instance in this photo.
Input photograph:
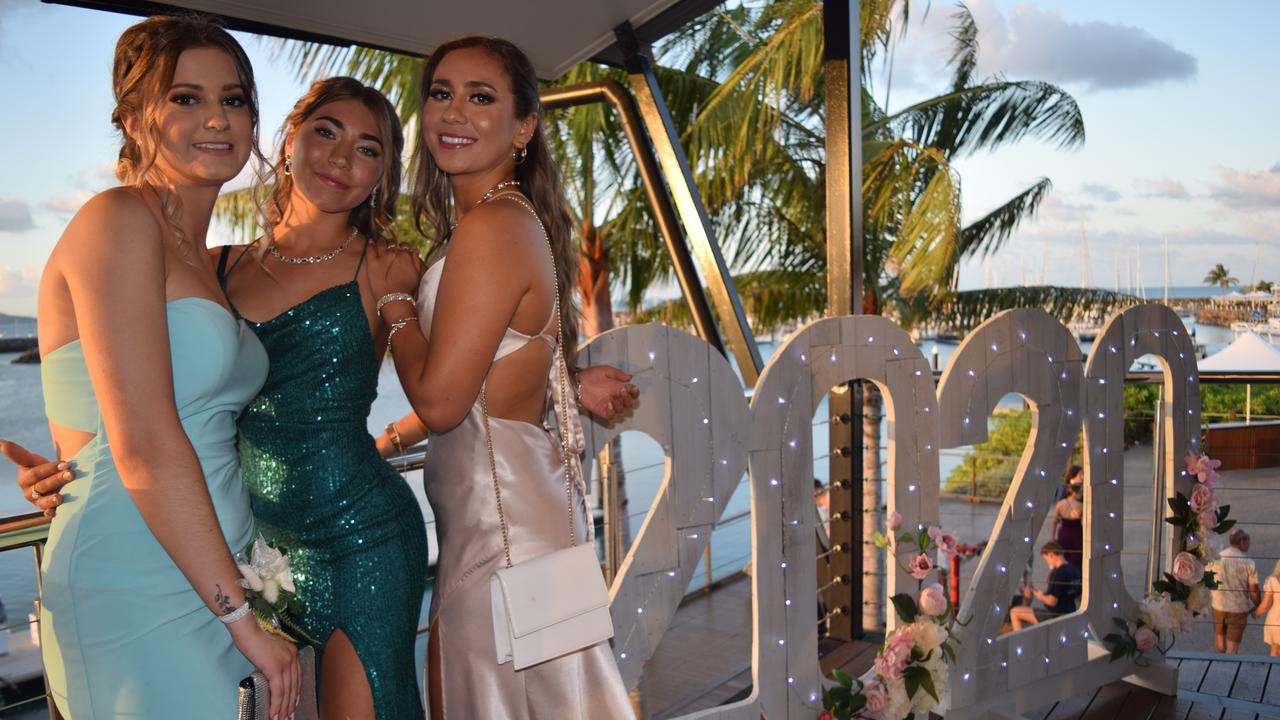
(1084, 328)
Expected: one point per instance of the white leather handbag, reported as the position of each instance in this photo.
(549, 606)
(557, 603)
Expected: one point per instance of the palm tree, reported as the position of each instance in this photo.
(1220, 276)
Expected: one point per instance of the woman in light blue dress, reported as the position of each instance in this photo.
(145, 371)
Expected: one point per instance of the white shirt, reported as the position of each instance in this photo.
(1234, 572)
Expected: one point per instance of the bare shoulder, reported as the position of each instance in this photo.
(115, 224)
(499, 226)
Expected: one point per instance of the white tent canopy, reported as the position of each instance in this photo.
(556, 34)
(1249, 353)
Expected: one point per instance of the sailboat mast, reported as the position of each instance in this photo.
(1166, 269)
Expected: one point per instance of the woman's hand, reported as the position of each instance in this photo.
(276, 657)
(39, 478)
(606, 391)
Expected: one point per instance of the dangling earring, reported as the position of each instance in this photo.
(519, 155)
(288, 163)
(373, 198)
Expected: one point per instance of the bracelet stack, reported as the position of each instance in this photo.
(236, 614)
(393, 434)
(393, 297)
(398, 325)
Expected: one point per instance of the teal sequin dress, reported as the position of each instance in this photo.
(353, 530)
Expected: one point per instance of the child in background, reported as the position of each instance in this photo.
(1271, 606)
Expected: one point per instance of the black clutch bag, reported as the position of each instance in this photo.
(255, 694)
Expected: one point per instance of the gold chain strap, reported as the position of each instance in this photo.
(561, 402)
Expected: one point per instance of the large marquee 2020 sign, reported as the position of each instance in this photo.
(693, 405)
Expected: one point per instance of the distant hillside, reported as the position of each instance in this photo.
(16, 318)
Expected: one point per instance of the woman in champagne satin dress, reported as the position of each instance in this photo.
(489, 318)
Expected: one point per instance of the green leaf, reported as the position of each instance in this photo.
(911, 680)
(878, 538)
(926, 682)
(1224, 526)
(1222, 512)
(842, 677)
(906, 607)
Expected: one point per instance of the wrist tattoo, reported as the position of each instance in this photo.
(222, 601)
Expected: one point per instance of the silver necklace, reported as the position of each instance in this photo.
(313, 259)
(488, 196)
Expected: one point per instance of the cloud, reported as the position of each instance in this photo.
(1248, 189)
(1102, 192)
(1035, 44)
(18, 289)
(1164, 187)
(15, 216)
(1103, 56)
(68, 204)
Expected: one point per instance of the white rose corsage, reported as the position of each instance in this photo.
(268, 585)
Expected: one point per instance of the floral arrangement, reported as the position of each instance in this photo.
(1184, 592)
(268, 586)
(910, 672)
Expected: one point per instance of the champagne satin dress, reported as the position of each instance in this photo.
(584, 684)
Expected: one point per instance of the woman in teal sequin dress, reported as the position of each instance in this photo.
(352, 527)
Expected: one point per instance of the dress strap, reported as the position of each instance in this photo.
(222, 267)
(224, 272)
(363, 252)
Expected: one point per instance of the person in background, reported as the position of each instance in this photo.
(1236, 595)
(1061, 593)
(1068, 528)
(1270, 606)
(1074, 476)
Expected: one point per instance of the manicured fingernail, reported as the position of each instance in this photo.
(66, 476)
(63, 466)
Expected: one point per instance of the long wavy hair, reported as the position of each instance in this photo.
(376, 222)
(538, 175)
(142, 71)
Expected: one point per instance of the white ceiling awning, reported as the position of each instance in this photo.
(556, 34)
(1248, 354)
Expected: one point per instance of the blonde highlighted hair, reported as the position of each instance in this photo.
(377, 221)
(145, 59)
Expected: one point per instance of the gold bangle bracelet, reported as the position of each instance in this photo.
(393, 434)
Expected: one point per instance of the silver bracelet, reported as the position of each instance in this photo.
(398, 325)
(394, 297)
(236, 614)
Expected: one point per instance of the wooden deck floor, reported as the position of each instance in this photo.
(1210, 687)
(704, 660)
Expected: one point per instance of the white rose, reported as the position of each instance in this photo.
(898, 704)
(1155, 612)
(928, 636)
(1200, 600)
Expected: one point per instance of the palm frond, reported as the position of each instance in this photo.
(965, 310)
(990, 232)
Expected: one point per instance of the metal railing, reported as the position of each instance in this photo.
(31, 530)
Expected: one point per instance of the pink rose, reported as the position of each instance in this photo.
(895, 654)
(1145, 639)
(876, 696)
(894, 521)
(920, 566)
(933, 601)
(825, 716)
(1204, 468)
(1202, 499)
(945, 541)
(1187, 569)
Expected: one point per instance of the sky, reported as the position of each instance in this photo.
(1178, 99)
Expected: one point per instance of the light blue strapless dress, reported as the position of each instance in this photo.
(122, 631)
